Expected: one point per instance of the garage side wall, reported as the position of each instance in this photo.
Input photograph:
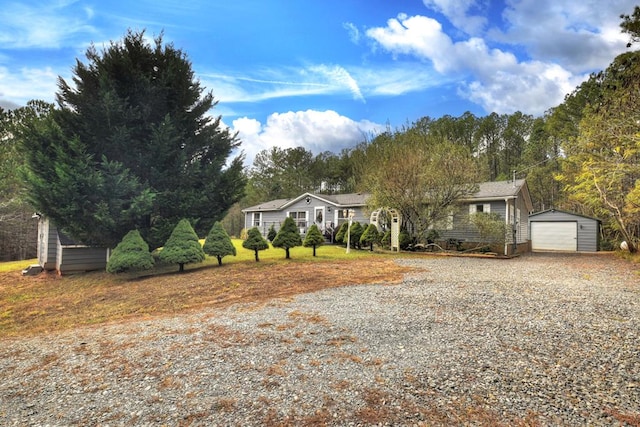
(588, 228)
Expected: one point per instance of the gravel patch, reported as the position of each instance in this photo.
(535, 340)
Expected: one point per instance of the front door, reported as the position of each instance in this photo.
(318, 217)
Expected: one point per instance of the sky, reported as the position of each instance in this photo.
(326, 75)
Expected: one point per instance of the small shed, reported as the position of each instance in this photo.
(56, 251)
(555, 230)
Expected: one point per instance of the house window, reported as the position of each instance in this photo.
(479, 208)
(257, 219)
(300, 218)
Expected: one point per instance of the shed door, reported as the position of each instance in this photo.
(554, 236)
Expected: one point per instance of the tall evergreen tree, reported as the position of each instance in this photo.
(183, 246)
(288, 236)
(218, 243)
(131, 146)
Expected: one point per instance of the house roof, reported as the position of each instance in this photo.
(337, 200)
(500, 190)
(272, 205)
(496, 190)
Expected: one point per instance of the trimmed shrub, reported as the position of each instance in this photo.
(271, 234)
(288, 236)
(218, 243)
(370, 236)
(132, 253)
(255, 242)
(341, 235)
(313, 238)
(355, 233)
(182, 247)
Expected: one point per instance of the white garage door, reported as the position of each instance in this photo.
(554, 236)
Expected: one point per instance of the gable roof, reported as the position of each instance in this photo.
(501, 190)
(337, 200)
(493, 190)
(498, 189)
(552, 210)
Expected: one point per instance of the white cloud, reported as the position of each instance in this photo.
(399, 79)
(340, 76)
(27, 84)
(48, 25)
(283, 82)
(458, 13)
(494, 78)
(581, 36)
(317, 131)
(352, 30)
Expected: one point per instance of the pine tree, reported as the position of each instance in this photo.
(132, 253)
(218, 243)
(313, 238)
(288, 236)
(370, 236)
(183, 246)
(132, 144)
(255, 242)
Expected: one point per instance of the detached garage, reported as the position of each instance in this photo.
(555, 230)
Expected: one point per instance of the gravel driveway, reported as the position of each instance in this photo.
(535, 340)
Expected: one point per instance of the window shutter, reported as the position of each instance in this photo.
(486, 208)
(472, 209)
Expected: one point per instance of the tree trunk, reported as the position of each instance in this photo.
(625, 234)
(287, 252)
(314, 250)
(257, 258)
(219, 260)
(181, 268)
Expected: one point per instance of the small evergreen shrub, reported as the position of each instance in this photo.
(313, 238)
(218, 243)
(288, 236)
(370, 236)
(271, 234)
(132, 253)
(182, 247)
(255, 242)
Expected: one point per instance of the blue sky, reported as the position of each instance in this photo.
(326, 74)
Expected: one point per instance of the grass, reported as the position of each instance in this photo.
(47, 302)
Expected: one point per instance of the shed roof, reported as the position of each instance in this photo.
(549, 211)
